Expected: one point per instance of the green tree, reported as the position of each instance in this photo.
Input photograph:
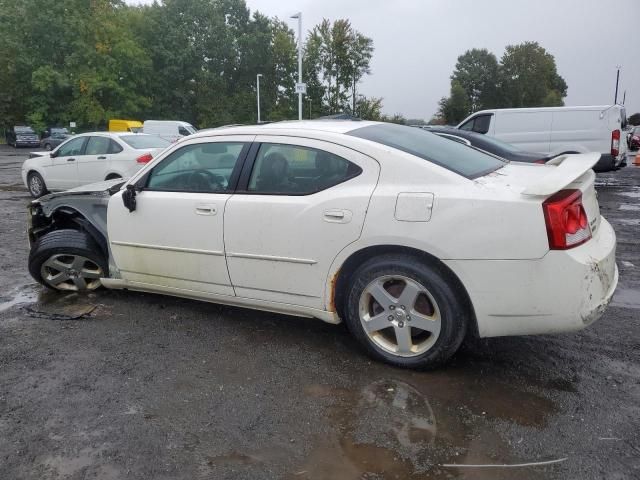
(337, 58)
(634, 119)
(477, 72)
(530, 78)
(455, 108)
(368, 108)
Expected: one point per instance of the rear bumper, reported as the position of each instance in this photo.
(563, 291)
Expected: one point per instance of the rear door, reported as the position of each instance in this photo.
(298, 204)
(93, 165)
(63, 172)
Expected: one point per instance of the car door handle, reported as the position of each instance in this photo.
(102, 158)
(206, 210)
(71, 159)
(337, 216)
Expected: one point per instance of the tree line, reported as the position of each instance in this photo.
(525, 76)
(196, 60)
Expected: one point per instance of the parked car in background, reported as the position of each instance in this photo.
(412, 239)
(558, 130)
(22, 136)
(633, 140)
(133, 126)
(53, 136)
(89, 158)
(489, 144)
(170, 130)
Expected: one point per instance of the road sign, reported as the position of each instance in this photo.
(72, 124)
(301, 88)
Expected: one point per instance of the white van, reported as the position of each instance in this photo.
(558, 130)
(171, 130)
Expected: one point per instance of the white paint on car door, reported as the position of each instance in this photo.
(280, 246)
(62, 173)
(93, 165)
(174, 238)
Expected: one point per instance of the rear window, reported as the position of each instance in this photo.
(454, 156)
(145, 141)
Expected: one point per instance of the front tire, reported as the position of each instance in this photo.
(406, 312)
(67, 260)
(37, 187)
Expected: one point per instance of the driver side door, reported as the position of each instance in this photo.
(173, 241)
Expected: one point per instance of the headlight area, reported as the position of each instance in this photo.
(37, 222)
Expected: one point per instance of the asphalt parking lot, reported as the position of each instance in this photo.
(127, 385)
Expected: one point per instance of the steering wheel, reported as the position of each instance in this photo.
(204, 180)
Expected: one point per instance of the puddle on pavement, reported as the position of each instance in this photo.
(396, 429)
(628, 207)
(631, 193)
(626, 297)
(39, 302)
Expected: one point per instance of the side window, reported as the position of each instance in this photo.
(468, 125)
(97, 146)
(114, 147)
(72, 147)
(203, 167)
(295, 170)
(482, 123)
(183, 131)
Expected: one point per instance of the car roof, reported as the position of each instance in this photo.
(295, 127)
(114, 134)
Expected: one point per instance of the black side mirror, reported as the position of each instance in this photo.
(54, 154)
(129, 197)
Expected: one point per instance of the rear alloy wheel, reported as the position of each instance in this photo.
(47, 146)
(37, 187)
(67, 260)
(406, 312)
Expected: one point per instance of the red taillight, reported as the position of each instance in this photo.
(146, 158)
(567, 223)
(541, 161)
(615, 143)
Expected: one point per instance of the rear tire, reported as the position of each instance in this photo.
(67, 260)
(47, 147)
(425, 317)
(36, 185)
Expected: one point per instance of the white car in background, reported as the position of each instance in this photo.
(413, 240)
(89, 158)
(172, 130)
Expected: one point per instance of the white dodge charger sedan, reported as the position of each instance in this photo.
(413, 240)
(89, 158)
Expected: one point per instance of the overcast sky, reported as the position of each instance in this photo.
(417, 42)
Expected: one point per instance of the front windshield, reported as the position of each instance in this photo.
(59, 131)
(454, 156)
(190, 128)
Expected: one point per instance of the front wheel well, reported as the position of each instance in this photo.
(66, 218)
(341, 281)
(113, 176)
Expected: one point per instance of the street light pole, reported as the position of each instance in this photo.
(615, 100)
(258, 94)
(299, 17)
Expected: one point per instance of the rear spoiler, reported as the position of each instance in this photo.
(563, 170)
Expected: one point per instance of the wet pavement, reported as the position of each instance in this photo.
(125, 385)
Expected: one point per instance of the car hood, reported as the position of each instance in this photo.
(106, 187)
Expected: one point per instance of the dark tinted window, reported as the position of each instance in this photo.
(204, 167)
(453, 156)
(114, 147)
(183, 131)
(296, 170)
(481, 124)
